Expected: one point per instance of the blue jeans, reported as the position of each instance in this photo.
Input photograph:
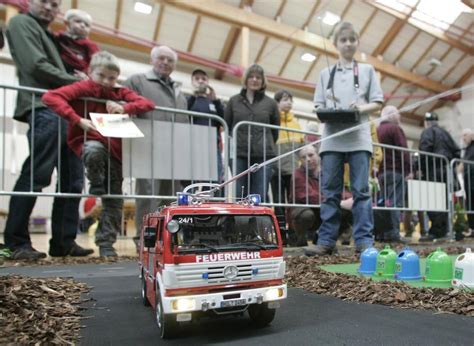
(332, 177)
(65, 214)
(254, 183)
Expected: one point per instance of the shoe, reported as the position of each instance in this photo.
(400, 240)
(79, 251)
(428, 238)
(27, 253)
(74, 251)
(107, 252)
(320, 250)
(97, 190)
(361, 248)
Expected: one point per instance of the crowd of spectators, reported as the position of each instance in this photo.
(71, 67)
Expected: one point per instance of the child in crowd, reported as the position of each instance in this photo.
(284, 168)
(96, 151)
(74, 46)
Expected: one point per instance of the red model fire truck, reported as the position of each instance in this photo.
(199, 257)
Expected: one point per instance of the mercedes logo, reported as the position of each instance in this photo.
(230, 272)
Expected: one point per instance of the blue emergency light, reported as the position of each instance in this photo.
(183, 198)
(254, 199)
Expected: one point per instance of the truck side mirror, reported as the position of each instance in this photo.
(149, 236)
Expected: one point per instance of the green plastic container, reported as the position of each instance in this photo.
(386, 262)
(439, 267)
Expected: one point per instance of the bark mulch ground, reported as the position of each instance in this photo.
(304, 272)
(40, 311)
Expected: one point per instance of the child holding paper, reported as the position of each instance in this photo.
(97, 151)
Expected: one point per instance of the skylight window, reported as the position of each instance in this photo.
(440, 14)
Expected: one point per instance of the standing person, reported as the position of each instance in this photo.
(252, 104)
(468, 170)
(39, 65)
(393, 171)
(347, 84)
(74, 45)
(158, 86)
(204, 100)
(98, 152)
(283, 169)
(435, 139)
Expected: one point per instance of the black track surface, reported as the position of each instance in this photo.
(117, 317)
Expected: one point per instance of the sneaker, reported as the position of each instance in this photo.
(107, 252)
(319, 250)
(27, 253)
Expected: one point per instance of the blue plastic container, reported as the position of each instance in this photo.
(407, 266)
(368, 261)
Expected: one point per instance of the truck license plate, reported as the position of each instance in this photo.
(230, 303)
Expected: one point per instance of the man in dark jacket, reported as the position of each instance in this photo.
(468, 170)
(435, 139)
(393, 170)
(39, 66)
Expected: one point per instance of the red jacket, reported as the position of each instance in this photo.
(76, 53)
(65, 101)
(392, 134)
(299, 181)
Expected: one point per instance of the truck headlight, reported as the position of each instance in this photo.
(183, 304)
(273, 294)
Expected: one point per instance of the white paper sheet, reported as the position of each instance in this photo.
(115, 125)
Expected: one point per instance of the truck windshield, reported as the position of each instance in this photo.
(210, 233)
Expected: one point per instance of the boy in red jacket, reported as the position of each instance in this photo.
(97, 151)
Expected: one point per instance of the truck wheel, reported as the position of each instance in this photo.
(261, 314)
(166, 322)
(144, 291)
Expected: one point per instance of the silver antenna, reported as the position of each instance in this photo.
(327, 61)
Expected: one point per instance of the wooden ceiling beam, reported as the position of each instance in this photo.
(197, 24)
(231, 41)
(118, 15)
(428, 29)
(265, 40)
(310, 69)
(368, 21)
(423, 56)
(393, 32)
(159, 20)
(403, 51)
(303, 27)
(456, 64)
(267, 26)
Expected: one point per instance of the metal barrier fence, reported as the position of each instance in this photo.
(409, 180)
(404, 179)
(175, 131)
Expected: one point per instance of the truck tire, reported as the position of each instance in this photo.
(166, 322)
(261, 314)
(144, 291)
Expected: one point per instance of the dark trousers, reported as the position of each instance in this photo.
(280, 192)
(439, 220)
(38, 168)
(97, 159)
